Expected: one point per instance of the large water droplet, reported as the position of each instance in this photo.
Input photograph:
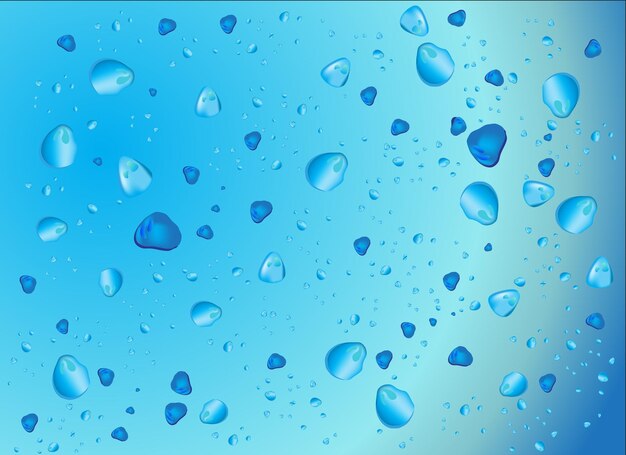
(58, 148)
(120, 434)
(174, 412)
(135, 178)
(272, 269)
(450, 280)
(276, 361)
(106, 376)
(600, 274)
(513, 384)
(414, 21)
(259, 210)
(537, 193)
(166, 26)
(434, 64)
(345, 360)
(158, 232)
(486, 144)
(593, 49)
(213, 412)
(480, 203)
(336, 73)
(546, 382)
(504, 302)
(576, 214)
(361, 245)
(28, 284)
(368, 95)
(383, 359)
(457, 18)
(70, 377)
(560, 93)
(208, 103)
(227, 23)
(595, 320)
(460, 356)
(326, 171)
(180, 383)
(546, 166)
(394, 407)
(110, 281)
(51, 229)
(29, 422)
(205, 314)
(109, 77)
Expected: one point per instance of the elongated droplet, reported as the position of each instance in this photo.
(70, 377)
(460, 356)
(259, 210)
(383, 359)
(546, 382)
(513, 384)
(593, 49)
(166, 26)
(29, 422)
(51, 229)
(576, 214)
(109, 77)
(120, 434)
(227, 23)
(158, 232)
(414, 21)
(110, 281)
(326, 171)
(394, 407)
(181, 384)
(58, 148)
(537, 193)
(272, 269)
(208, 103)
(205, 314)
(174, 412)
(479, 202)
(67, 43)
(213, 412)
(361, 245)
(276, 361)
(106, 376)
(600, 274)
(336, 73)
(434, 64)
(504, 302)
(486, 144)
(595, 320)
(345, 360)
(28, 284)
(560, 93)
(135, 178)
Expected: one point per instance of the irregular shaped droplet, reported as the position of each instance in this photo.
(110, 281)
(486, 144)
(479, 202)
(546, 166)
(29, 422)
(414, 21)
(408, 329)
(394, 407)
(457, 126)
(252, 140)
(70, 378)
(537, 193)
(208, 103)
(166, 26)
(326, 171)
(336, 73)
(120, 434)
(259, 210)
(205, 314)
(28, 284)
(345, 360)
(276, 361)
(227, 23)
(576, 214)
(106, 376)
(63, 326)
(68, 43)
(174, 412)
(434, 64)
(51, 229)
(361, 245)
(593, 49)
(513, 384)
(595, 320)
(272, 269)
(600, 273)
(450, 280)
(383, 359)
(109, 77)
(58, 148)
(399, 126)
(457, 18)
(205, 232)
(192, 174)
(546, 382)
(181, 383)
(560, 93)
(213, 412)
(158, 232)
(368, 95)
(494, 77)
(135, 178)
(504, 302)
(460, 356)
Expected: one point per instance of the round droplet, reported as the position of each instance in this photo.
(29, 422)
(383, 359)
(513, 384)
(58, 148)
(67, 42)
(158, 232)
(326, 171)
(593, 49)
(109, 77)
(576, 214)
(414, 21)
(479, 202)
(205, 314)
(394, 407)
(361, 245)
(537, 193)
(213, 412)
(166, 26)
(504, 302)
(174, 412)
(460, 356)
(336, 73)
(434, 64)
(135, 178)
(51, 229)
(272, 269)
(181, 384)
(227, 23)
(486, 144)
(120, 434)
(276, 361)
(70, 377)
(110, 281)
(600, 274)
(457, 18)
(28, 284)
(345, 360)
(546, 382)
(208, 103)
(560, 93)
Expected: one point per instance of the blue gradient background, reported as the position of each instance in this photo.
(302, 317)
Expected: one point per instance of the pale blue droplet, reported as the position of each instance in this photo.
(205, 314)
(272, 269)
(326, 171)
(600, 273)
(110, 281)
(560, 93)
(345, 360)
(576, 214)
(51, 229)
(480, 203)
(70, 377)
(414, 21)
(135, 178)
(213, 412)
(513, 384)
(58, 148)
(434, 64)
(208, 103)
(336, 73)
(504, 302)
(537, 193)
(109, 77)
(394, 407)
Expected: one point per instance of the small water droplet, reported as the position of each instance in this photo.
(110, 281)
(174, 412)
(546, 382)
(457, 18)
(504, 302)
(166, 26)
(181, 384)
(51, 229)
(191, 174)
(344, 361)
(576, 214)
(600, 273)
(67, 43)
(58, 148)
(213, 412)
(109, 77)
(479, 202)
(28, 284)
(272, 269)
(29, 422)
(227, 23)
(414, 21)
(208, 103)
(135, 178)
(560, 93)
(205, 314)
(336, 72)
(434, 64)
(120, 434)
(394, 407)
(276, 361)
(537, 193)
(326, 171)
(70, 377)
(593, 49)
(513, 384)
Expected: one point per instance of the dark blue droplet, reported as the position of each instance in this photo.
(546, 382)
(166, 26)
(130, 410)
(158, 232)
(432, 322)
(494, 77)
(120, 434)
(457, 18)
(486, 144)
(546, 166)
(181, 384)
(593, 49)
(461, 357)
(67, 42)
(174, 412)
(252, 140)
(228, 23)
(29, 422)
(97, 161)
(276, 361)
(457, 126)
(595, 320)
(205, 232)
(215, 208)
(399, 126)
(152, 91)
(259, 210)
(106, 376)
(192, 174)
(63, 326)
(368, 95)
(488, 247)
(408, 329)
(383, 359)
(28, 284)
(450, 280)
(361, 245)
(547, 137)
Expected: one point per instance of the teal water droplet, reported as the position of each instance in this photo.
(135, 178)
(600, 274)
(110, 281)
(109, 77)
(51, 229)
(414, 21)
(537, 193)
(272, 269)
(213, 412)
(326, 171)
(394, 407)
(70, 377)
(336, 73)
(504, 302)
(465, 410)
(345, 360)
(480, 203)
(560, 93)
(208, 103)
(434, 64)
(205, 314)
(58, 148)
(513, 384)
(576, 214)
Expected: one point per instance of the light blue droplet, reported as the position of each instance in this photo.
(560, 93)
(345, 360)
(208, 103)
(434, 64)
(537, 193)
(135, 178)
(213, 412)
(205, 314)
(58, 148)
(513, 384)
(504, 302)
(576, 214)
(394, 407)
(465, 410)
(53, 447)
(486, 144)
(109, 77)
(70, 378)
(272, 269)
(28, 284)
(570, 345)
(414, 21)
(51, 229)
(600, 273)
(157, 231)
(110, 281)
(479, 202)
(336, 73)
(326, 171)
(284, 16)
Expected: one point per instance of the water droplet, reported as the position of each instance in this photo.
(418, 238)
(227, 23)
(315, 402)
(546, 166)
(135, 178)
(408, 329)
(576, 214)
(595, 136)
(570, 345)
(547, 41)
(70, 377)
(205, 232)
(460, 356)
(58, 148)
(512, 77)
(504, 302)
(233, 440)
(399, 126)
(301, 109)
(345, 360)
(593, 49)
(603, 377)
(152, 92)
(192, 174)
(205, 314)
(158, 232)
(560, 93)
(62, 326)
(465, 410)
(174, 412)
(259, 210)
(537, 193)
(450, 280)
(383, 359)
(326, 171)
(486, 144)
(479, 202)
(457, 126)
(336, 73)
(361, 245)
(284, 16)
(513, 384)
(494, 77)
(457, 18)
(252, 48)
(110, 281)
(53, 447)
(272, 269)
(368, 95)
(257, 102)
(434, 64)
(180, 383)
(68, 43)
(595, 320)
(252, 140)
(600, 274)
(394, 407)
(276, 361)
(120, 434)
(166, 26)
(29, 422)
(213, 412)
(208, 103)
(28, 284)
(109, 77)
(546, 382)
(106, 376)
(414, 21)
(51, 229)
